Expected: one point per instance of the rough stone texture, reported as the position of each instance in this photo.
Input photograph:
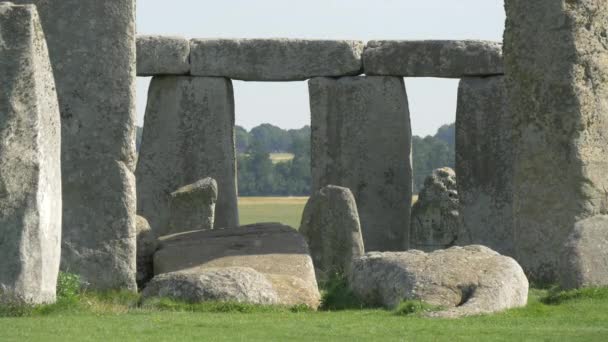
(556, 66)
(484, 164)
(435, 217)
(361, 140)
(433, 58)
(146, 246)
(585, 260)
(279, 252)
(92, 50)
(330, 224)
(192, 207)
(227, 284)
(188, 135)
(465, 281)
(162, 55)
(30, 161)
(275, 59)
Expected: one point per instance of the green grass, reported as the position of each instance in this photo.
(286, 210)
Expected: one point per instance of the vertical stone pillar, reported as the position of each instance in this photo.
(484, 162)
(92, 50)
(556, 63)
(188, 135)
(361, 140)
(30, 161)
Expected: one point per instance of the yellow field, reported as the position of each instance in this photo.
(281, 157)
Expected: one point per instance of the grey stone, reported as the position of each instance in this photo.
(484, 164)
(192, 207)
(188, 135)
(92, 50)
(227, 284)
(330, 224)
(433, 58)
(435, 217)
(275, 59)
(30, 161)
(464, 281)
(361, 140)
(585, 260)
(556, 66)
(162, 55)
(146, 247)
(279, 252)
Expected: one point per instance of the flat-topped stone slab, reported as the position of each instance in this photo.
(433, 58)
(162, 55)
(275, 59)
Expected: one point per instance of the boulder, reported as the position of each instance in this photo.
(162, 55)
(192, 207)
(464, 281)
(435, 218)
(277, 251)
(330, 224)
(433, 58)
(275, 59)
(146, 246)
(226, 284)
(30, 161)
(361, 140)
(585, 260)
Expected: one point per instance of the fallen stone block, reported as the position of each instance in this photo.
(162, 55)
(275, 59)
(192, 207)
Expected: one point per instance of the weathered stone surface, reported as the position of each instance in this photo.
(227, 284)
(279, 252)
(146, 246)
(556, 67)
(330, 224)
(192, 207)
(361, 140)
(92, 50)
(30, 161)
(584, 262)
(435, 217)
(465, 281)
(188, 135)
(162, 55)
(275, 59)
(433, 58)
(484, 164)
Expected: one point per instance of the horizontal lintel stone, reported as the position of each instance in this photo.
(275, 59)
(433, 58)
(162, 55)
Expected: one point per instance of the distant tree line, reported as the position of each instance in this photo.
(259, 175)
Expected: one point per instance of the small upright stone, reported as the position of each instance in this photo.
(162, 55)
(146, 246)
(30, 161)
(331, 227)
(192, 207)
(435, 217)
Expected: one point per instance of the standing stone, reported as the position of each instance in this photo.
(361, 140)
(30, 161)
(146, 246)
(556, 60)
(162, 55)
(92, 50)
(330, 224)
(192, 207)
(435, 216)
(484, 164)
(188, 135)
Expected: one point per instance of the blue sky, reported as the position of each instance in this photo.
(432, 101)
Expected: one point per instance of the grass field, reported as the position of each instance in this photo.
(573, 316)
(281, 157)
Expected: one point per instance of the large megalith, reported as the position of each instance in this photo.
(556, 66)
(30, 161)
(330, 224)
(484, 163)
(361, 140)
(92, 50)
(188, 135)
